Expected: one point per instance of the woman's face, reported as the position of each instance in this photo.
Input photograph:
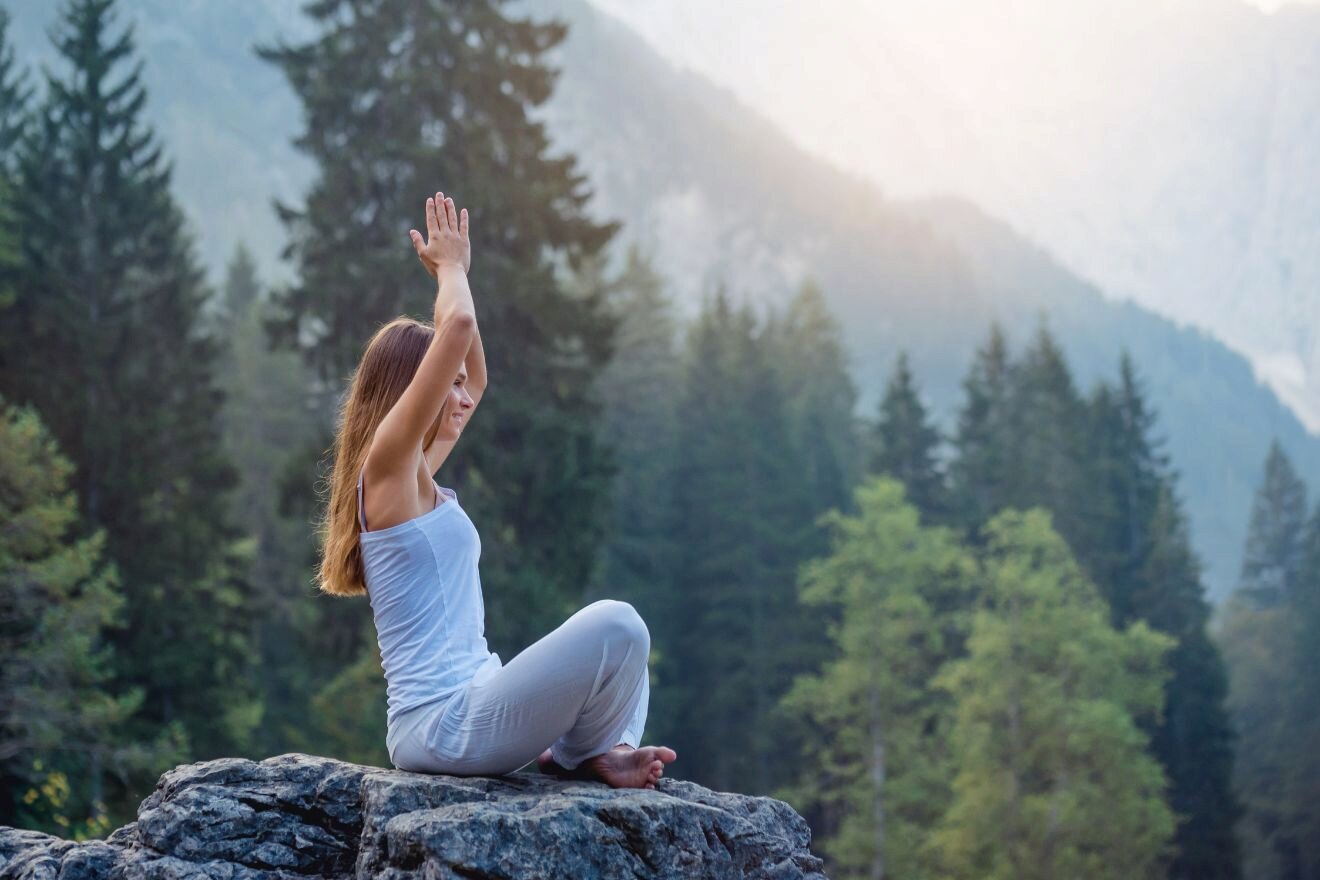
(453, 415)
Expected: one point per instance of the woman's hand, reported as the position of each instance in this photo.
(446, 234)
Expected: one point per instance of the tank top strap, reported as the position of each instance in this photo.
(362, 509)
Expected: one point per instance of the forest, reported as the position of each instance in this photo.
(984, 652)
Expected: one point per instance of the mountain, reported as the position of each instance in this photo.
(1164, 149)
(720, 194)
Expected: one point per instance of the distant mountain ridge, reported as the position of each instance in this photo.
(719, 194)
(1164, 149)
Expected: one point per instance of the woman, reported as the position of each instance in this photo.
(577, 697)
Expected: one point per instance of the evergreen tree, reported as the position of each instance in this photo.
(877, 767)
(640, 390)
(1303, 795)
(1048, 425)
(104, 339)
(985, 469)
(1134, 545)
(820, 399)
(905, 444)
(1193, 738)
(1269, 637)
(738, 530)
(1271, 565)
(1126, 472)
(267, 419)
(403, 98)
(1256, 646)
(1052, 778)
(15, 95)
(60, 728)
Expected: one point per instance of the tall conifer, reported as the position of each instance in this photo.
(820, 398)
(1133, 543)
(1272, 563)
(105, 339)
(58, 719)
(905, 445)
(739, 533)
(983, 473)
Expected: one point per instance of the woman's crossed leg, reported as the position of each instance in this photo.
(582, 690)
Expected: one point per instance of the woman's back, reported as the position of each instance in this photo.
(425, 593)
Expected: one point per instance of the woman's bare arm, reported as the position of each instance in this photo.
(399, 437)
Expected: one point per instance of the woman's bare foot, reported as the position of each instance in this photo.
(620, 767)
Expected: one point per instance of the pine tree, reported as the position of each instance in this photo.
(267, 419)
(1269, 637)
(1303, 793)
(1048, 425)
(60, 727)
(905, 445)
(877, 766)
(15, 95)
(104, 339)
(405, 98)
(1193, 738)
(639, 389)
(1133, 543)
(1271, 565)
(738, 530)
(1052, 778)
(984, 470)
(1126, 472)
(820, 400)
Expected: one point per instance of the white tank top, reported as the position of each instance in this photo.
(425, 595)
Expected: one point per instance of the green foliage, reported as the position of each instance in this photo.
(639, 392)
(104, 338)
(1272, 561)
(735, 483)
(348, 714)
(1269, 637)
(906, 445)
(1026, 438)
(59, 719)
(878, 762)
(982, 473)
(1052, 778)
(819, 400)
(268, 418)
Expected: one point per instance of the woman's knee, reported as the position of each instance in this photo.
(622, 617)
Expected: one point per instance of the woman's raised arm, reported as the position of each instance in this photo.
(400, 434)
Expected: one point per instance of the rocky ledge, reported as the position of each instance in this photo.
(297, 816)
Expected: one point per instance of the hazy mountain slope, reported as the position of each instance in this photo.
(721, 194)
(1165, 149)
(226, 119)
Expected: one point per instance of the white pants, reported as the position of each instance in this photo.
(580, 690)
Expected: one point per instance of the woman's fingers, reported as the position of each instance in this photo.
(451, 214)
(417, 241)
(432, 225)
(463, 223)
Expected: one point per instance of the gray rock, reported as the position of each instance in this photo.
(298, 816)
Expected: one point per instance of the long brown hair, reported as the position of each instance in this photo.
(387, 366)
